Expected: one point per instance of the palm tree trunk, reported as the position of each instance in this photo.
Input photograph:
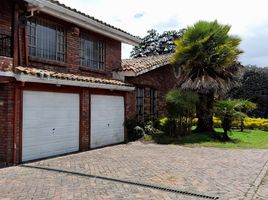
(204, 113)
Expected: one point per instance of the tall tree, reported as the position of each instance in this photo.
(254, 86)
(156, 44)
(206, 57)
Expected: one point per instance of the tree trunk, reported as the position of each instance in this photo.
(204, 113)
(241, 125)
(225, 135)
(226, 125)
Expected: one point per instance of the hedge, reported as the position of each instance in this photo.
(249, 123)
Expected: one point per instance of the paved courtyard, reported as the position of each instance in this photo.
(142, 171)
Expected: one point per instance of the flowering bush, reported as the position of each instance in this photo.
(249, 123)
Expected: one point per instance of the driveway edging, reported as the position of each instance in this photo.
(254, 188)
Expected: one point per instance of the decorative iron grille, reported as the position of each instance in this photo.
(5, 45)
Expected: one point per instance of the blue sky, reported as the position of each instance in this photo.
(249, 19)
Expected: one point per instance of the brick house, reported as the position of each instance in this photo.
(152, 77)
(57, 92)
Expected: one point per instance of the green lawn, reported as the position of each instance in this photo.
(248, 139)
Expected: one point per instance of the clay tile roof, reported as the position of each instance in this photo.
(41, 73)
(88, 16)
(144, 64)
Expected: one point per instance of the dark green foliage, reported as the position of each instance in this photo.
(150, 128)
(254, 86)
(156, 44)
(168, 126)
(181, 106)
(137, 129)
(134, 129)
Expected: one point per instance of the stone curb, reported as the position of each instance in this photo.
(249, 195)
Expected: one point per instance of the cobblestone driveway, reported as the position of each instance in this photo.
(109, 173)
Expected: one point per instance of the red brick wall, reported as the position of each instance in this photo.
(161, 79)
(6, 123)
(6, 17)
(84, 119)
(72, 61)
(71, 65)
(7, 110)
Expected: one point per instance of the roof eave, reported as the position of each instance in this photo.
(83, 21)
(34, 79)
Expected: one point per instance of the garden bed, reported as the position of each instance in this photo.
(257, 139)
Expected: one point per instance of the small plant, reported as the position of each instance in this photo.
(229, 111)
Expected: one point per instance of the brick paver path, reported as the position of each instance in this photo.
(224, 173)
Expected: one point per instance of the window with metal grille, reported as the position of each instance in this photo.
(140, 103)
(92, 53)
(46, 40)
(153, 103)
(5, 45)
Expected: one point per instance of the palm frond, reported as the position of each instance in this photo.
(207, 57)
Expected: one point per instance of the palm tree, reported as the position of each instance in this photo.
(230, 110)
(206, 59)
(244, 106)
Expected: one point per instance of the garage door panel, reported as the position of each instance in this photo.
(50, 124)
(44, 152)
(46, 114)
(31, 138)
(47, 125)
(103, 141)
(51, 147)
(112, 132)
(107, 120)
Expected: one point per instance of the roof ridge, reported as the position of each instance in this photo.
(147, 57)
(89, 16)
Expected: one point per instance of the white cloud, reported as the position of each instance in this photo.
(248, 18)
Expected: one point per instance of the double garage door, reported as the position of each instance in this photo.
(51, 123)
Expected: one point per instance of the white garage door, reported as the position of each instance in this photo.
(107, 120)
(50, 124)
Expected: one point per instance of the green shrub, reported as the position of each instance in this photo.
(216, 122)
(168, 126)
(134, 129)
(181, 106)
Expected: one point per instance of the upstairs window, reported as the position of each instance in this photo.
(140, 103)
(46, 40)
(5, 45)
(153, 103)
(92, 53)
